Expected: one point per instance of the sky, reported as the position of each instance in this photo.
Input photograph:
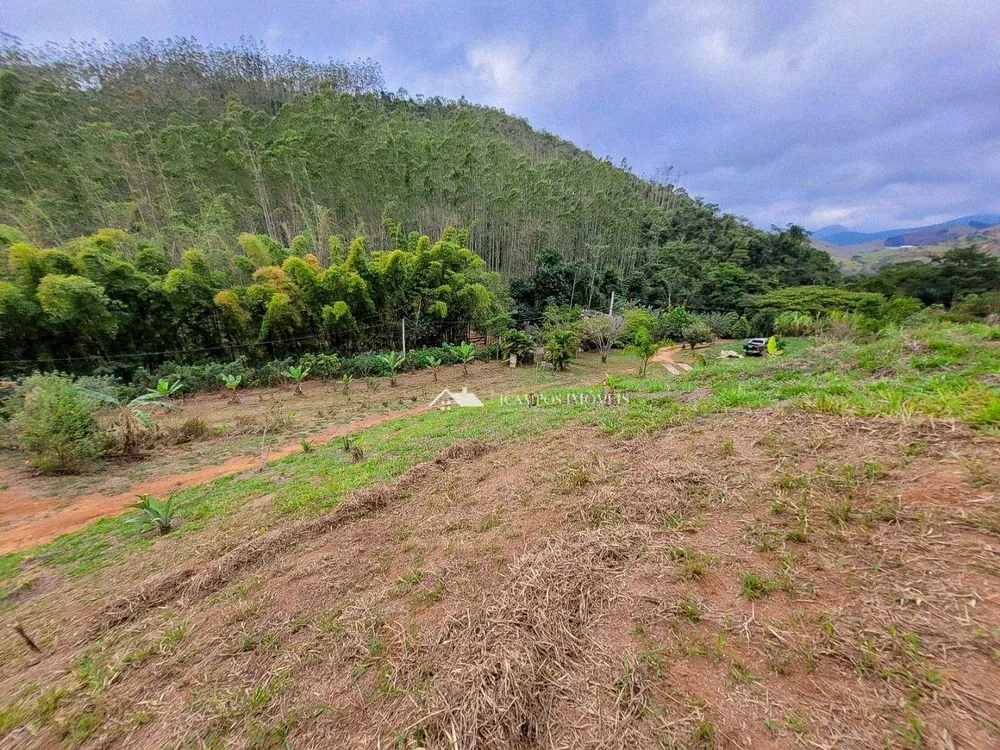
(873, 114)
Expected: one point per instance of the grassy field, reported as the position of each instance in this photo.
(762, 553)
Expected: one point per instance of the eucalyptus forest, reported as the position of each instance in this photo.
(167, 196)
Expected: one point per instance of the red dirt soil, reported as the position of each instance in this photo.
(33, 520)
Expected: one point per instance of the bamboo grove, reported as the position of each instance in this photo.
(187, 151)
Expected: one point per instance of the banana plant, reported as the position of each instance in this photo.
(232, 382)
(297, 374)
(465, 352)
(153, 513)
(345, 382)
(134, 415)
(434, 363)
(393, 362)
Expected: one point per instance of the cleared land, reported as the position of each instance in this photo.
(764, 553)
(230, 437)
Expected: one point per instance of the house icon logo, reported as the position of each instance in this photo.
(447, 399)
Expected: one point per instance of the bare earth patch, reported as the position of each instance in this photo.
(752, 579)
(35, 509)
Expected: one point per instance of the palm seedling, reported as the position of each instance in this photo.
(153, 513)
(393, 362)
(352, 444)
(297, 374)
(612, 384)
(134, 414)
(345, 382)
(465, 352)
(232, 383)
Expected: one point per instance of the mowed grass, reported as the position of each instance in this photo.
(948, 371)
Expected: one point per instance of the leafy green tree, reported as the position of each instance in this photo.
(77, 306)
(644, 346)
(603, 332)
(742, 329)
(674, 323)
(698, 332)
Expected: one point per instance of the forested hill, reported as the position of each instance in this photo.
(188, 146)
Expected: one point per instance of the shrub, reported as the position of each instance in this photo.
(742, 328)
(393, 362)
(465, 353)
(635, 319)
(194, 428)
(762, 322)
(793, 323)
(901, 308)
(697, 332)
(133, 414)
(723, 325)
(815, 300)
(561, 346)
(325, 366)
(57, 424)
(518, 343)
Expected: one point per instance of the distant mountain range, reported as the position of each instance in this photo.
(919, 243)
(841, 236)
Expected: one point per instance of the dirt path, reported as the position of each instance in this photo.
(40, 519)
(668, 357)
(676, 359)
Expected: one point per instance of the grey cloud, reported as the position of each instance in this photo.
(879, 113)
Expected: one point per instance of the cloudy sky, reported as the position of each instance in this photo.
(869, 113)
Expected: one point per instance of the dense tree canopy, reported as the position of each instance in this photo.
(944, 280)
(108, 295)
(235, 180)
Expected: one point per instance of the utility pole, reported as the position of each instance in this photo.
(404, 337)
(611, 310)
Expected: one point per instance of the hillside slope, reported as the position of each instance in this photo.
(192, 145)
(759, 553)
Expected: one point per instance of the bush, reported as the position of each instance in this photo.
(644, 346)
(901, 308)
(561, 345)
(673, 323)
(793, 323)
(815, 300)
(325, 366)
(697, 332)
(742, 328)
(57, 425)
(723, 325)
(635, 319)
(762, 322)
(518, 343)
